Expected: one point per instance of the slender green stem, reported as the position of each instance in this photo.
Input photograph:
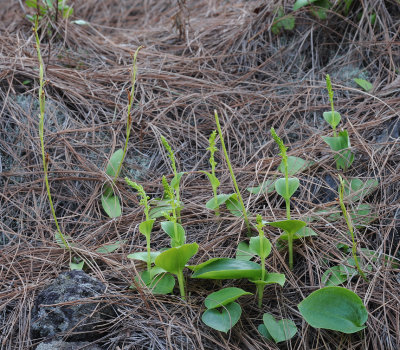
(42, 100)
(330, 94)
(246, 219)
(148, 253)
(216, 201)
(181, 284)
(260, 293)
(350, 227)
(290, 245)
(129, 118)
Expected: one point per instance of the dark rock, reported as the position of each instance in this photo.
(77, 318)
(61, 345)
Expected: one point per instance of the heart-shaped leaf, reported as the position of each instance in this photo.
(221, 199)
(302, 233)
(332, 118)
(223, 297)
(145, 227)
(222, 320)
(142, 256)
(289, 226)
(111, 205)
(174, 259)
(293, 185)
(226, 268)
(333, 277)
(334, 308)
(160, 284)
(277, 330)
(255, 246)
(113, 163)
(243, 252)
(295, 165)
(271, 278)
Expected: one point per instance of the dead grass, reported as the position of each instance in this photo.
(198, 57)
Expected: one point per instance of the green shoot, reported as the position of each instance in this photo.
(260, 287)
(350, 227)
(45, 157)
(212, 177)
(246, 219)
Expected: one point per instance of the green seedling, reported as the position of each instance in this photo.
(237, 203)
(109, 200)
(350, 227)
(174, 261)
(286, 187)
(222, 312)
(340, 142)
(319, 8)
(214, 202)
(277, 331)
(334, 308)
(46, 7)
(45, 156)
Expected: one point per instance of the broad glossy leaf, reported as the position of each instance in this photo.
(159, 284)
(109, 248)
(226, 268)
(221, 199)
(302, 233)
(145, 227)
(111, 205)
(334, 308)
(222, 320)
(279, 331)
(271, 278)
(289, 226)
(176, 180)
(255, 246)
(174, 259)
(178, 236)
(295, 165)
(366, 85)
(280, 187)
(114, 162)
(333, 119)
(243, 252)
(268, 186)
(223, 297)
(142, 256)
(333, 277)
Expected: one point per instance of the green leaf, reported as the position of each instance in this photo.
(142, 256)
(366, 85)
(264, 332)
(76, 266)
(243, 252)
(114, 162)
(334, 308)
(268, 186)
(289, 226)
(256, 249)
(233, 205)
(295, 165)
(31, 3)
(80, 22)
(174, 259)
(222, 320)
(340, 144)
(159, 284)
(178, 237)
(226, 268)
(355, 189)
(146, 227)
(221, 199)
(288, 22)
(26, 82)
(302, 233)
(60, 242)
(301, 3)
(333, 277)
(280, 187)
(159, 210)
(320, 10)
(223, 297)
(67, 11)
(176, 180)
(279, 331)
(213, 179)
(362, 215)
(111, 205)
(271, 278)
(109, 248)
(333, 119)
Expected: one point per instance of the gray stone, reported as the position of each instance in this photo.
(61, 345)
(78, 318)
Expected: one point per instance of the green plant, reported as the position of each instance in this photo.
(229, 312)
(46, 8)
(286, 22)
(334, 308)
(236, 202)
(366, 85)
(45, 156)
(340, 142)
(277, 331)
(317, 7)
(109, 200)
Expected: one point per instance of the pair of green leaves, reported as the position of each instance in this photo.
(222, 312)
(230, 200)
(334, 308)
(278, 331)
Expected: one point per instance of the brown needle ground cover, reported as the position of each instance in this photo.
(203, 56)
